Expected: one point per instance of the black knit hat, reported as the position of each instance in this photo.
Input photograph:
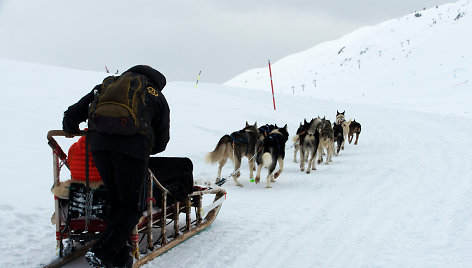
(151, 74)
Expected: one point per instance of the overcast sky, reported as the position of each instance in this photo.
(181, 37)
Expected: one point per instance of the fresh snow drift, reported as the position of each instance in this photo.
(401, 198)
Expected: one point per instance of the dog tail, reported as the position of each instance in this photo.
(267, 160)
(223, 150)
(295, 138)
(348, 123)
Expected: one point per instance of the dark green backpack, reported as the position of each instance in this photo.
(118, 105)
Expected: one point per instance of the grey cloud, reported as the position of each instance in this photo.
(221, 38)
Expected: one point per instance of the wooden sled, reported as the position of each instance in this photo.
(172, 223)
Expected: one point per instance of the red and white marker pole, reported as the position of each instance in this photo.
(272, 85)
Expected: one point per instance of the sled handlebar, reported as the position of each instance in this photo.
(62, 133)
(55, 146)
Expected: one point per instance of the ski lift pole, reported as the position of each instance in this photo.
(198, 78)
(272, 85)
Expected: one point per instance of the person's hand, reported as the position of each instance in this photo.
(69, 128)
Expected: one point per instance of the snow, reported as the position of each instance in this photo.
(402, 197)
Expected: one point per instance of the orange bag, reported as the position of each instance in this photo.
(76, 160)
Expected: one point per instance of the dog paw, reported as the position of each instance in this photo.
(257, 180)
(268, 186)
(307, 171)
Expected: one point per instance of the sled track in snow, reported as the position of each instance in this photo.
(380, 203)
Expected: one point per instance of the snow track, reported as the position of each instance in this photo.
(386, 202)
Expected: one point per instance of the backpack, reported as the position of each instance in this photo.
(118, 106)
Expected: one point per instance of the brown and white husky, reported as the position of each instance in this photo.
(235, 146)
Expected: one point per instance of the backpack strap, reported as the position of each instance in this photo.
(88, 196)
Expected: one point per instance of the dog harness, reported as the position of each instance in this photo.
(241, 140)
(276, 138)
(340, 120)
(265, 130)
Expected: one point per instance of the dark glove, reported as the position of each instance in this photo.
(68, 125)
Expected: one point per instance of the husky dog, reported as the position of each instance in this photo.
(265, 130)
(326, 142)
(301, 133)
(235, 146)
(341, 120)
(354, 127)
(338, 137)
(272, 150)
(309, 144)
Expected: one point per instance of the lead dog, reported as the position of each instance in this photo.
(271, 151)
(340, 119)
(235, 146)
(354, 128)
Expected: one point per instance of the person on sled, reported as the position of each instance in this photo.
(121, 146)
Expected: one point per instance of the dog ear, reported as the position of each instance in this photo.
(255, 124)
(304, 121)
(247, 124)
(285, 127)
(337, 112)
(344, 112)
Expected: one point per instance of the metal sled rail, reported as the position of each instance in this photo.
(203, 216)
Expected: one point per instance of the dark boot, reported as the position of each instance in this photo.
(94, 260)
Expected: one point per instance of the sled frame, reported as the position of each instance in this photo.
(204, 216)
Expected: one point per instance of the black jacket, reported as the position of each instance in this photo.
(138, 146)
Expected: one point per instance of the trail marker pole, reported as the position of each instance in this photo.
(198, 78)
(272, 85)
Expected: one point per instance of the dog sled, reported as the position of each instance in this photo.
(169, 218)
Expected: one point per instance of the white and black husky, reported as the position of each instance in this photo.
(271, 151)
(341, 120)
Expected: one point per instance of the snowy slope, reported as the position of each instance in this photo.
(401, 198)
(410, 61)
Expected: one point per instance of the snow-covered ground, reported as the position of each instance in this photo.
(401, 198)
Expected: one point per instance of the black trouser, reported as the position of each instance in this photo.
(124, 178)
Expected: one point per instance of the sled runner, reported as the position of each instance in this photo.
(175, 208)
